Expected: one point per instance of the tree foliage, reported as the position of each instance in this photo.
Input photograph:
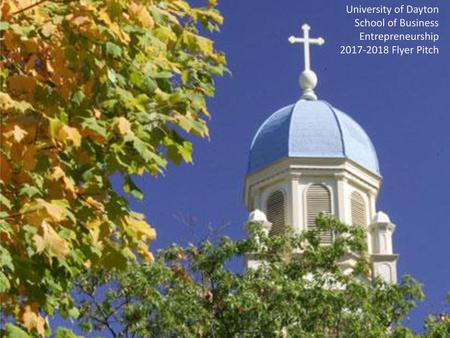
(89, 89)
(298, 290)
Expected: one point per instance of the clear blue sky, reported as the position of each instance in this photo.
(402, 103)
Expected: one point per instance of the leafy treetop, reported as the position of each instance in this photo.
(89, 89)
(298, 290)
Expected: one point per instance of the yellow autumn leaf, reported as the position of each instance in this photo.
(181, 5)
(87, 4)
(7, 103)
(113, 26)
(94, 227)
(140, 229)
(198, 43)
(71, 134)
(165, 34)
(48, 28)
(205, 44)
(97, 113)
(69, 184)
(29, 157)
(40, 210)
(48, 241)
(16, 133)
(58, 174)
(213, 14)
(94, 203)
(56, 212)
(81, 20)
(145, 18)
(128, 254)
(145, 253)
(211, 3)
(31, 319)
(122, 125)
(141, 14)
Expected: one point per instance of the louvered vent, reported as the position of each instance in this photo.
(358, 209)
(275, 213)
(318, 199)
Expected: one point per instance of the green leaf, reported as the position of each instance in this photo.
(130, 188)
(114, 259)
(4, 283)
(74, 313)
(185, 77)
(22, 30)
(5, 201)
(62, 332)
(95, 125)
(196, 127)
(178, 149)
(165, 34)
(185, 151)
(113, 50)
(13, 331)
(55, 126)
(163, 75)
(112, 75)
(146, 154)
(5, 258)
(78, 97)
(29, 191)
(4, 25)
(5, 226)
(150, 85)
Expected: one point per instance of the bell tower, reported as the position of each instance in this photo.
(308, 158)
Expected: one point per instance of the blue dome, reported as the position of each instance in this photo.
(311, 129)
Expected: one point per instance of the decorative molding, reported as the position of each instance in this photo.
(288, 168)
(379, 258)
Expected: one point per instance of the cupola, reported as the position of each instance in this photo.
(310, 157)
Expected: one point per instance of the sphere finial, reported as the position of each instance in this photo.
(308, 81)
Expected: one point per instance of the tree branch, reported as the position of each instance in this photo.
(29, 7)
(104, 319)
(37, 4)
(17, 214)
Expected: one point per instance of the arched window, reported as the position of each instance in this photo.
(275, 213)
(358, 209)
(318, 199)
